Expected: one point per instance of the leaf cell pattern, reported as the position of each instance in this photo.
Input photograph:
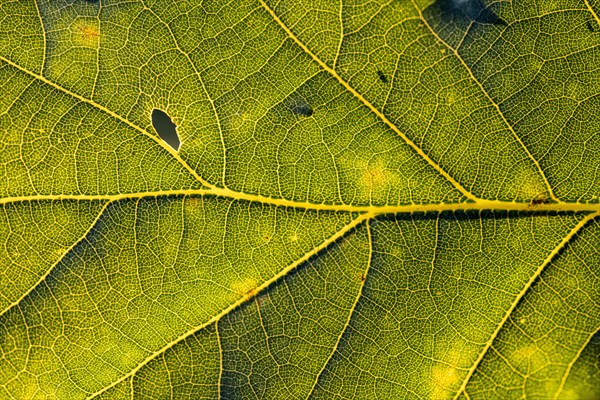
(382, 199)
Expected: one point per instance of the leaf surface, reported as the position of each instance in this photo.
(369, 200)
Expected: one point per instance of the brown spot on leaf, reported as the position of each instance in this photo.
(245, 288)
(361, 277)
(89, 32)
(538, 201)
(301, 107)
(86, 32)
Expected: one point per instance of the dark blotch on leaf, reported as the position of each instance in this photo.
(165, 128)
(590, 27)
(382, 77)
(301, 107)
(472, 10)
(538, 201)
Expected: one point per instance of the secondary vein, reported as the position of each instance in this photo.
(490, 99)
(244, 299)
(351, 313)
(523, 292)
(592, 11)
(113, 114)
(58, 261)
(371, 107)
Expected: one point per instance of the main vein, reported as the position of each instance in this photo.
(479, 205)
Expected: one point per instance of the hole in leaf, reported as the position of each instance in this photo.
(472, 10)
(165, 128)
(382, 77)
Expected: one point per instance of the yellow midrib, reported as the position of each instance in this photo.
(479, 205)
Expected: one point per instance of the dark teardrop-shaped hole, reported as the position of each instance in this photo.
(165, 128)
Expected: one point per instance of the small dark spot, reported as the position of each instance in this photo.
(301, 107)
(382, 77)
(363, 278)
(165, 128)
(472, 10)
(590, 26)
(91, 1)
(538, 201)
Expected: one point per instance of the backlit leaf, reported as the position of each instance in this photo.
(291, 200)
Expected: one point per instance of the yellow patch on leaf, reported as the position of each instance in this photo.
(376, 178)
(524, 353)
(245, 287)
(444, 379)
(193, 202)
(86, 33)
(241, 124)
(528, 184)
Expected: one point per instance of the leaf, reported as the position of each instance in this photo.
(367, 199)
